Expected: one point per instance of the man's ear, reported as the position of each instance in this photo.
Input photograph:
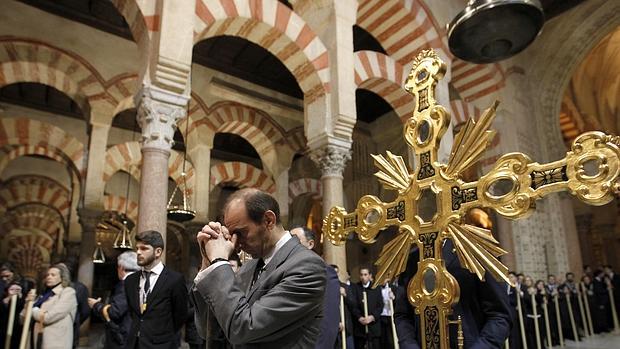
(311, 243)
(159, 251)
(270, 219)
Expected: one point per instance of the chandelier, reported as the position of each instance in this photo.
(181, 213)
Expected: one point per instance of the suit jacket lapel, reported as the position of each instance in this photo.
(275, 262)
(246, 274)
(161, 279)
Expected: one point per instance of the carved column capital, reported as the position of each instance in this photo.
(89, 218)
(158, 113)
(331, 159)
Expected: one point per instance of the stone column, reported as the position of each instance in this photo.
(281, 195)
(332, 159)
(158, 114)
(86, 269)
(584, 227)
(201, 159)
(94, 186)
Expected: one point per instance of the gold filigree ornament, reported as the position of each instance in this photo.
(433, 200)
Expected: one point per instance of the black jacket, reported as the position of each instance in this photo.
(118, 327)
(166, 312)
(483, 306)
(375, 306)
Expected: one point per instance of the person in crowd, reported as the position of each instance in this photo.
(514, 292)
(483, 306)
(542, 301)
(551, 291)
(347, 298)
(366, 326)
(115, 313)
(276, 300)
(12, 288)
(614, 280)
(601, 302)
(156, 297)
(81, 296)
(388, 291)
(235, 263)
(331, 311)
(54, 310)
(572, 289)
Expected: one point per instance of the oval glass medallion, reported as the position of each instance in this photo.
(501, 187)
(372, 217)
(424, 131)
(429, 280)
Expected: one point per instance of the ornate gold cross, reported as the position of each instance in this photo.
(433, 200)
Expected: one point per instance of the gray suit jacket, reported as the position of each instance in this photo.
(284, 309)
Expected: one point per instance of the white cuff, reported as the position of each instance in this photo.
(203, 273)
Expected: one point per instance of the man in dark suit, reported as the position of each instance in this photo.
(347, 298)
(156, 296)
(276, 300)
(331, 301)
(615, 285)
(115, 313)
(366, 328)
(388, 291)
(483, 306)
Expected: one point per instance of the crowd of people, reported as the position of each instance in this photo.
(557, 309)
(288, 297)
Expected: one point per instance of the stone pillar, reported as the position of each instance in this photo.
(94, 186)
(584, 226)
(158, 113)
(86, 269)
(201, 159)
(332, 159)
(281, 195)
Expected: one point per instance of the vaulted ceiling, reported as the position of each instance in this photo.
(592, 98)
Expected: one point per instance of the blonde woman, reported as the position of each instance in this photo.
(53, 312)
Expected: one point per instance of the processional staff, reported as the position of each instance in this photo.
(365, 301)
(342, 320)
(27, 317)
(558, 319)
(535, 314)
(570, 314)
(587, 306)
(546, 314)
(520, 312)
(584, 321)
(613, 306)
(9, 329)
(394, 334)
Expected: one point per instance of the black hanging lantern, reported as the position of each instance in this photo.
(182, 213)
(488, 31)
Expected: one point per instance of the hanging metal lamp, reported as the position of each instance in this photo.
(98, 255)
(181, 213)
(488, 31)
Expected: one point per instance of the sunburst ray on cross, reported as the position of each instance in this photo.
(589, 171)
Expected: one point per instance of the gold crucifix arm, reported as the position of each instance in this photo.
(589, 171)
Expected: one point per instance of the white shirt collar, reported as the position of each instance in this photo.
(366, 285)
(157, 269)
(127, 274)
(286, 237)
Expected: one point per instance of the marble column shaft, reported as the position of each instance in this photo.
(158, 114)
(332, 161)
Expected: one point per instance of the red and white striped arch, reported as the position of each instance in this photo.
(305, 186)
(474, 81)
(25, 189)
(29, 132)
(297, 139)
(33, 61)
(33, 217)
(242, 175)
(12, 152)
(117, 203)
(253, 125)
(29, 252)
(128, 157)
(403, 27)
(384, 76)
(463, 111)
(275, 27)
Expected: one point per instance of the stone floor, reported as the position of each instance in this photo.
(602, 341)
